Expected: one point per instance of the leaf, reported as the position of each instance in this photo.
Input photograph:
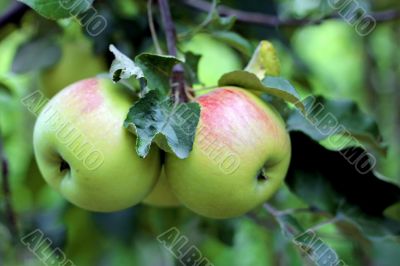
(234, 40)
(58, 9)
(338, 125)
(191, 65)
(369, 227)
(122, 67)
(325, 115)
(5, 88)
(213, 22)
(275, 86)
(333, 181)
(251, 244)
(317, 249)
(393, 211)
(283, 88)
(307, 241)
(154, 116)
(157, 70)
(150, 252)
(317, 193)
(220, 23)
(265, 61)
(36, 54)
(386, 251)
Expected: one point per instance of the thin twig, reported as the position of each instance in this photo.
(309, 209)
(9, 210)
(169, 27)
(13, 14)
(178, 74)
(190, 33)
(273, 21)
(152, 28)
(316, 227)
(274, 212)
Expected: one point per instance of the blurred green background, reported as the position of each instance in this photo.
(329, 59)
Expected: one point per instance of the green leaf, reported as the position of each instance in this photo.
(386, 251)
(252, 244)
(235, 40)
(369, 227)
(275, 86)
(283, 88)
(315, 190)
(307, 241)
(157, 70)
(317, 249)
(58, 9)
(213, 22)
(220, 23)
(393, 211)
(337, 125)
(36, 54)
(191, 66)
(155, 116)
(264, 61)
(340, 183)
(122, 67)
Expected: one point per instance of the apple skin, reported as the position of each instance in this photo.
(162, 195)
(217, 58)
(77, 62)
(107, 174)
(239, 126)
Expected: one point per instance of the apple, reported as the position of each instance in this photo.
(162, 195)
(333, 75)
(84, 152)
(77, 62)
(240, 155)
(217, 58)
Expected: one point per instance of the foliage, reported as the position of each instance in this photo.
(355, 213)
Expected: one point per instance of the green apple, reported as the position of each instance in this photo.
(77, 62)
(240, 155)
(333, 75)
(85, 153)
(217, 58)
(162, 195)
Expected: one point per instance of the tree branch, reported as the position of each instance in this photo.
(273, 21)
(152, 27)
(13, 14)
(9, 210)
(178, 75)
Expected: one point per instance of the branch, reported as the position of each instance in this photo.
(273, 21)
(13, 14)
(9, 210)
(274, 212)
(178, 75)
(152, 27)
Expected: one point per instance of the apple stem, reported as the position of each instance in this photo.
(178, 75)
(10, 213)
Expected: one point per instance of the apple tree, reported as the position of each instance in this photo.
(195, 132)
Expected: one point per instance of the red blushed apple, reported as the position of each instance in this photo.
(240, 155)
(84, 152)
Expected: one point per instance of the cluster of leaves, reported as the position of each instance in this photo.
(322, 179)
